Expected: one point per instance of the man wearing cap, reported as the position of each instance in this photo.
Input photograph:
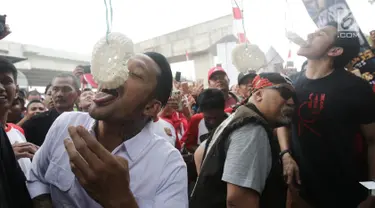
(240, 156)
(218, 78)
(244, 84)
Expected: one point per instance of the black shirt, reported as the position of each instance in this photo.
(329, 113)
(37, 127)
(13, 191)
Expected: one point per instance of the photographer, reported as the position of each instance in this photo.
(4, 28)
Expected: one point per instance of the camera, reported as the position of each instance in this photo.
(2, 25)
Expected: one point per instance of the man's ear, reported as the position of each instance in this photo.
(335, 51)
(152, 108)
(17, 91)
(77, 98)
(258, 95)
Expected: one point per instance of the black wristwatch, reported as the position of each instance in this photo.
(282, 153)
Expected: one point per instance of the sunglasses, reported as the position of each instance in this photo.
(286, 91)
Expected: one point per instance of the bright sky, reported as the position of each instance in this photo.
(75, 25)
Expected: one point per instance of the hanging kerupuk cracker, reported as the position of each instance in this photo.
(110, 56)
(295, 38)
(109, 60)
(248, 57)
(245, 56)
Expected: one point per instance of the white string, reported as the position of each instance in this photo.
(288, 10)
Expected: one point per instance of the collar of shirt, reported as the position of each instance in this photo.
(134, 146)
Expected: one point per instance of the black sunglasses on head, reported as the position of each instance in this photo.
(286, 91)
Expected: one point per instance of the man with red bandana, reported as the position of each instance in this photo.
(218, 78)
(238, 163)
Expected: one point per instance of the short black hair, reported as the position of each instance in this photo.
(87, 90)
(33, 101)
(211, 99)
(7, 66)
(20, 100)
(349, 43)
(22, 93)
(76, 82)
(243, 78)
(47, 88)
(164, 84)
(33, 92)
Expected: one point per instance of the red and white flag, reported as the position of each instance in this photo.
(238, 27)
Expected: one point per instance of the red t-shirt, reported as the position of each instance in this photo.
(191, 136)
(195, 129)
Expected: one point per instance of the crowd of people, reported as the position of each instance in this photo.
(270, 141)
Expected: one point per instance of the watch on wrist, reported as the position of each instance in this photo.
(282, 153)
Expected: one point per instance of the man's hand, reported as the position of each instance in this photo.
(24, 150)
(290, 170)
(26, 118)
(105, 177)
(78, 71)
(6, 32)
(197, 90)
(173, 102)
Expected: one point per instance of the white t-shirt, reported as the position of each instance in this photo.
(202, 129)
(14, 136)
(164, 129)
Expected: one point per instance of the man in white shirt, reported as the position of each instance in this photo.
(113, 159)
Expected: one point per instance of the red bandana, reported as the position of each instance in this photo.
(259, 83)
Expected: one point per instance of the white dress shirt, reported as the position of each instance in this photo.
(158, 174)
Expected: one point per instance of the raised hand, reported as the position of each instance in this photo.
(6, 32)
(104, 176)
(24, 150)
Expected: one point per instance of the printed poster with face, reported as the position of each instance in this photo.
(325, 11)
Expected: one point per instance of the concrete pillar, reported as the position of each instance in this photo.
(224, 55)
(202, 63)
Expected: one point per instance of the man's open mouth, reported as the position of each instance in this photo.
(3, 98)
(105, 96)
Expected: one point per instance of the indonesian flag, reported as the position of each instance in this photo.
(289, 54)
(87, 81)
(238, 27)
(187, 55)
